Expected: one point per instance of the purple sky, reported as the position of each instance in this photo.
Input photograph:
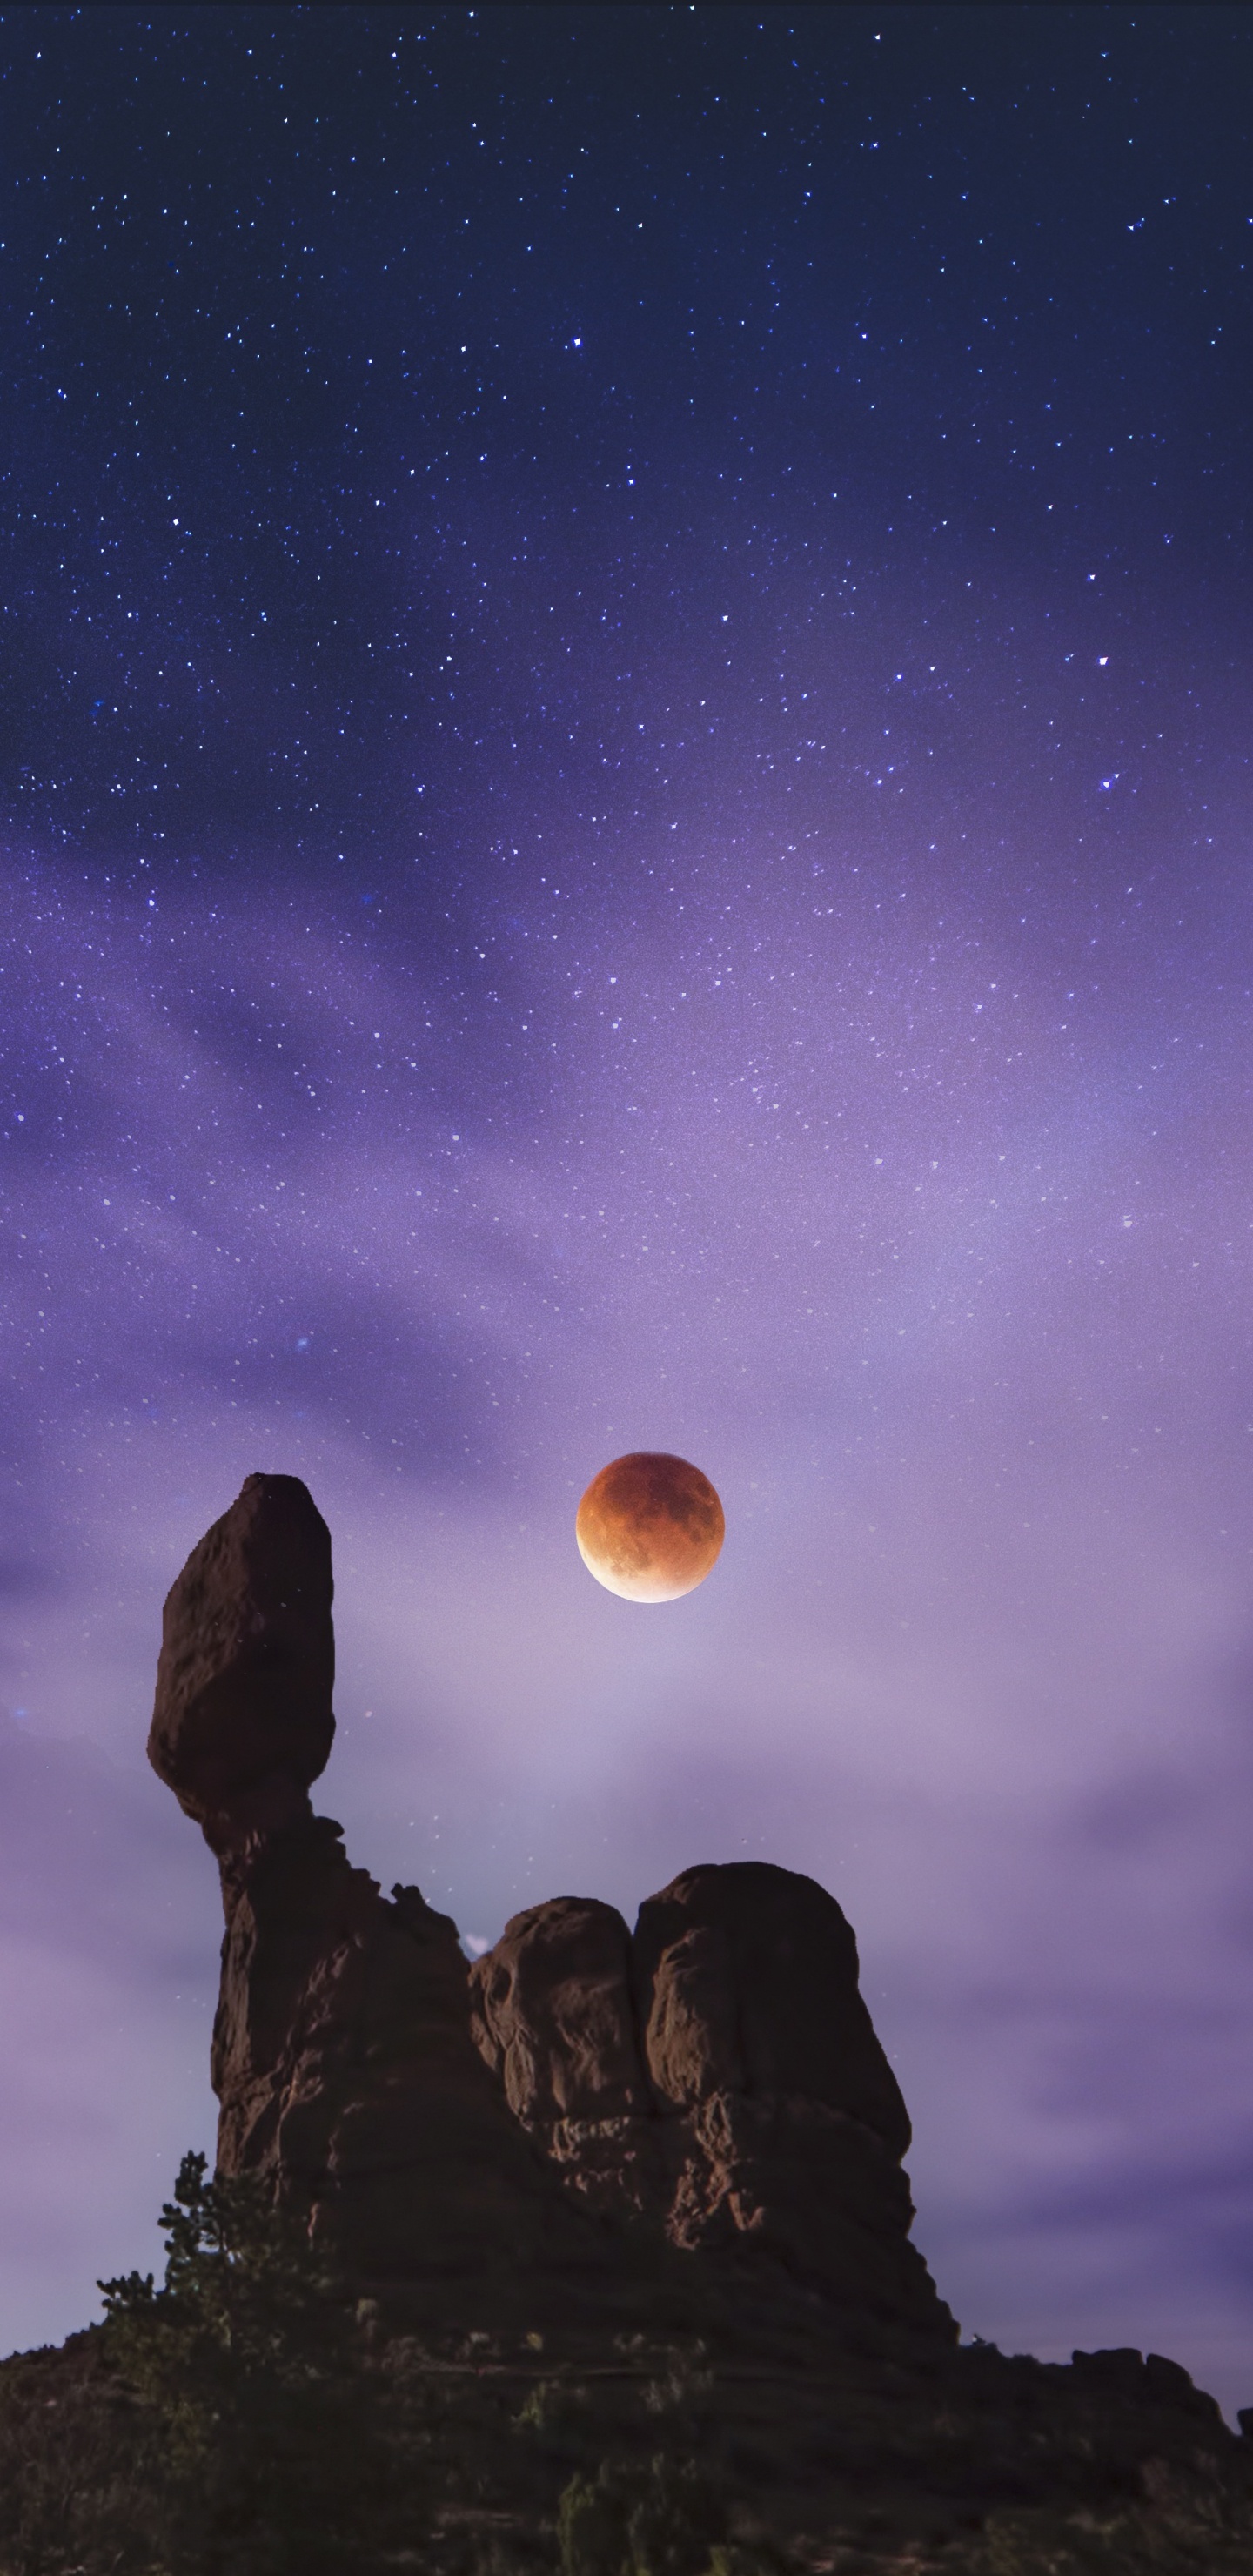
(640, 839)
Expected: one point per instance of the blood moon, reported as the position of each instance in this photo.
(649, 1526)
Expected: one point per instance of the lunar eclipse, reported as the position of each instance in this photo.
(650, 1527)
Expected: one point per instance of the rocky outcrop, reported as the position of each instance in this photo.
(706, 2092)
(556, 2019)
(788, 2122)
(344, 2064)
(342, 2057)
(717, 2077)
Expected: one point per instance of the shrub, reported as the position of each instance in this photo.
(662, 2520)
(278, 2440)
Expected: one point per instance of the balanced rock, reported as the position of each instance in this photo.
(584, 2111)
(242, 1723)
(343, 2058)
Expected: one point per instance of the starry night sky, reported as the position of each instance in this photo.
(624, 771)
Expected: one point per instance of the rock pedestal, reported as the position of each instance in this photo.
(703, 2094)
(344, 2065)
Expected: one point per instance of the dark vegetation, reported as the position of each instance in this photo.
(251, 2418)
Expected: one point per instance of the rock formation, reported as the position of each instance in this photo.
(242, 1723)
(706, 2096)
(627, 2209)
(716, 2078)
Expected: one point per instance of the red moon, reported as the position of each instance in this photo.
(649, 1526)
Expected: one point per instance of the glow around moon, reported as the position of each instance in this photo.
(649, 1526)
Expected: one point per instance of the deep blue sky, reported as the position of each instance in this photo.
(625, 793)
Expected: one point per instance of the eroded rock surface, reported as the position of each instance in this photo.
(345, 2066)
(763, 2058)
(242, 1724)
(584, 2100)
(718, 2075)
(555, 2018)
(747, 1977)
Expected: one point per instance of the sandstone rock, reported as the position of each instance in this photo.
(343, 2056)
(555, 2019)
(345, 2066)
(746, 1978)
(555, 2016)
(242, 1722)
(717, 2077)
(787, 2123)
(711, 2087)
